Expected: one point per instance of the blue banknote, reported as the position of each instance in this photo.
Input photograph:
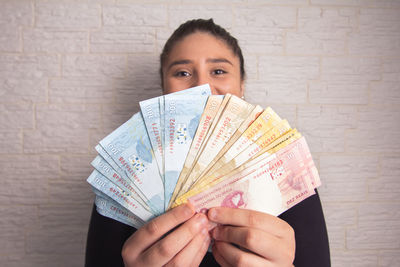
(123, 198)
(152, 110)
(125, 184)
(182, 116)
(111, 209)
(129, 147)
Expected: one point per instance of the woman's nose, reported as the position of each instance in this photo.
(203, 79)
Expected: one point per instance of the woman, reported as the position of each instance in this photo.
(200, 52)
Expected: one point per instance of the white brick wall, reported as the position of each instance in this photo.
(72, 71)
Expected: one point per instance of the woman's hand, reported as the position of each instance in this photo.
(265, 239)
(184, 246)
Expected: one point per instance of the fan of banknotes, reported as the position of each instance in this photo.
(210, 150)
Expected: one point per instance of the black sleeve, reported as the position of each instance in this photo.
(106, 237)
(308, 222)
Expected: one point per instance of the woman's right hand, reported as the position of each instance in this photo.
(184, 246)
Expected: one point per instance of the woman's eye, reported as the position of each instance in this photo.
(182, 74)
(219, 72)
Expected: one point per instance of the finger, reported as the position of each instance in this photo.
(165, 249)
(255, 240)
(218, 257)
(202, 252)
(155, 229)
(250, 218)
(197, 246)
(236, 257)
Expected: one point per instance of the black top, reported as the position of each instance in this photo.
(106, 237)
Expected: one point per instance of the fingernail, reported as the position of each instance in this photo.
(201, 219)
(212, 214)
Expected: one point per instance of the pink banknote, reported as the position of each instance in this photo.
(274, 185)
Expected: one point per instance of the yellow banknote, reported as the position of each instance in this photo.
(236, 111)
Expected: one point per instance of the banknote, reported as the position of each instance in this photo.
(209, 150)
(238, 156)
(182, 116)
(279, 182)
(213, 179)
(125, 184)
(111, 209)
(264, 122)
(150, 109)
(190, 179)
(242, 128)
(206, 119)
(129, 146)
(235, 112)
(101, 183)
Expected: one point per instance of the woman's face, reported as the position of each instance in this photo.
(201, 58)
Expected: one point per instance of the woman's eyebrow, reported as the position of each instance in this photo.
(179, 62)
(218, 60)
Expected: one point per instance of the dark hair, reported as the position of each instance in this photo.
(201, 25)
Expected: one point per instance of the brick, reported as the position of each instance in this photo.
(363, 3)
(275, 92)
(75, 168)
(325, 126)
(26, 178)
(16, 13)
(284, 79)
(62, 128)
(378, 33)
(81, 90)
(344, 178)
(344, 80)
(391, 70)
(377, 130)
(354, 258)
(162, 35)
(265, 16)
(66, 16)
(385, 93)
(135, 15)
(94, 66)
(132, 94)
(378, 227)
(251, 66)
(179, 14)
(260, 40)
(40, 260)
(10, 141)
(10, 38)
(336, 236)
(342, 215)
(114, 116)
(280, 2)
(386, 187)
(24, 77)
(73, 192)
(50, 40)
(16, 116)
(321, 31)
(60, 230)
(13, 224)
(123, 40)
(389, 258)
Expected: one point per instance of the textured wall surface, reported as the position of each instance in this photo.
(72, 71)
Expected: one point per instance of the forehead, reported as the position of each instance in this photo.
(199, 45)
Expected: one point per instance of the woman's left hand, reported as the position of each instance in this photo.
(265, 240)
